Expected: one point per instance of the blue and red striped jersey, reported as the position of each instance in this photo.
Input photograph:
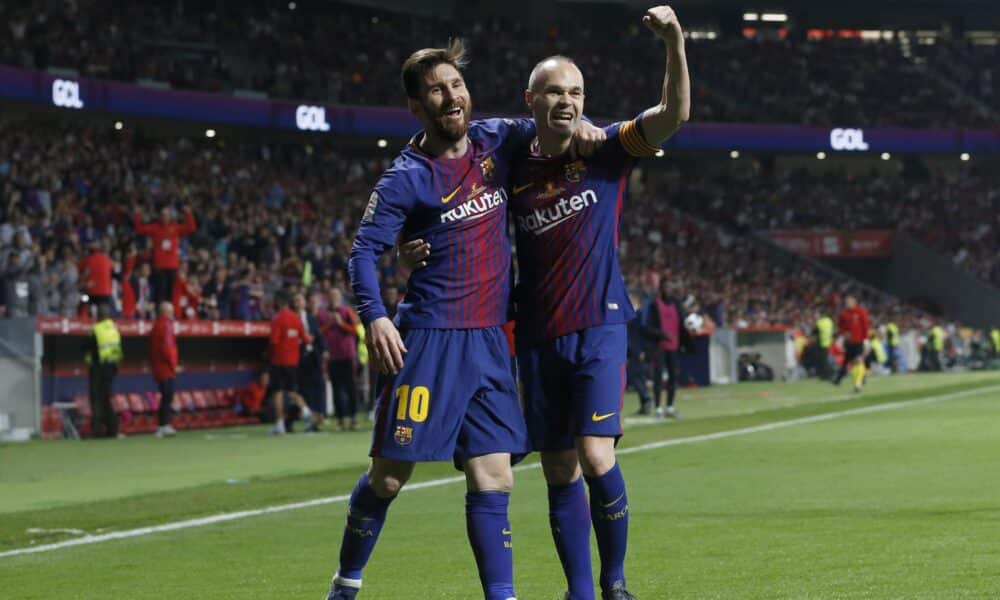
(567, 213)
(457, 205)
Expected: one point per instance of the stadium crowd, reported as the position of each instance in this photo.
(286, 54)
(281, 216)
(956, 212)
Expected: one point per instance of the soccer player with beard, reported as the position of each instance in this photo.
(572, 305)
(450, 394)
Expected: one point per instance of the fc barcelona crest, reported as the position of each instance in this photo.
(403, 435)
(574, 170)
(489, 168)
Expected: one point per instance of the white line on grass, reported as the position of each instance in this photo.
(243, 514)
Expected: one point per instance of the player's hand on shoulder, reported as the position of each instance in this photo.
(385, 346)
(411, 254)
(662, 20)
(588, 139)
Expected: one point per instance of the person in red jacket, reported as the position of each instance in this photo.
(287, 334)
(854, 327)
(165, 236)
(95, 276)
(163, 361)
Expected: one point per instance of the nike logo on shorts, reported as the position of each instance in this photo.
(596, 418)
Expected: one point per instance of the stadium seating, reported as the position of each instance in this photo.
(287, 54)
(194, 409)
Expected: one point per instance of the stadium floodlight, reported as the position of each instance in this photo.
(119, 125)
(734, 154)
(291, 6)
(774, 17)
(821, 155)
(210, 133)
(965, 156)
(660, 152)
(750, 16)
(382, 143)
(886, 156)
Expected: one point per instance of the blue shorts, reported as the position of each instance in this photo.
(454, 399)
(573, 386)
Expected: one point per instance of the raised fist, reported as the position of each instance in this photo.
(662, 20)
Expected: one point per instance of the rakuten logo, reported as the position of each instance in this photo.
(541, 220)
(66, 94)
(476, 208)
(848, 139)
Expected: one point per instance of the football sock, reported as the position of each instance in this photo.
(569, 518)
(609, 512)
(859, 374)
(489, 534)
(366, 514)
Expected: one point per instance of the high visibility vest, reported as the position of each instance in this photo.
(937, 338)
(307, 274)
(824, 329)
(362, 346)
(892, 334)
(879, 350)
(109, 341)
(995, 336)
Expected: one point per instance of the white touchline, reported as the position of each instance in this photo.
(243, 514)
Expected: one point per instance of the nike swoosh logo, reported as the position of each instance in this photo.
(447, 199)
(505, 531)
(613, 502)
(597, 418)
(520, 188)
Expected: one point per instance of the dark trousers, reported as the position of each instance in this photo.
(96, 302)
(163, 285)
(104, 419)
(311, 384)
(636, 375)
(344, 393)
(166, 399)
(665, 359)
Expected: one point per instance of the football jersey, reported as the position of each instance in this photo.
(459, 206)
(566, 215)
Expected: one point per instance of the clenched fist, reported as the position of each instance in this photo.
(662, 20)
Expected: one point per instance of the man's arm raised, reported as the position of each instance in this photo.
(661, 121)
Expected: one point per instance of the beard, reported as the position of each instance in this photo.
(443, 127)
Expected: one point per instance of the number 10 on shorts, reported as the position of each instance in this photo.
(415, 403)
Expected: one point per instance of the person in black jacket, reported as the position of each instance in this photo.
(637, 372)
(663, 320)
(311, 375)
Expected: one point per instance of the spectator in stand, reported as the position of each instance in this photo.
(95, 277)
(340, 327)
(165, 236)
(854, 326)
(187, 294)
(663, 320)
(142, 288)
(287, 334)
(217, 295)
(312, 374)
(103, 354)
(163, 360)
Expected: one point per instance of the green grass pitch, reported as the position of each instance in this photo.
(796, 491)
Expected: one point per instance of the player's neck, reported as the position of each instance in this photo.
(444, 148)
(552, 145)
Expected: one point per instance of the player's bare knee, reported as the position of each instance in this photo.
(490, 473)
(387, 478)
(560, 468)
(596, 454)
